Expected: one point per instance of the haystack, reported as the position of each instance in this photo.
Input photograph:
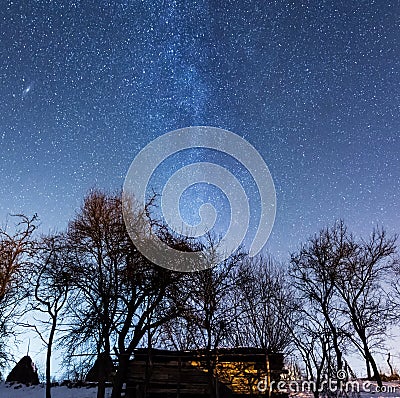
(102, 370)
(24, 372)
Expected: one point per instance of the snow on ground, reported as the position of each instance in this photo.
(21, 391)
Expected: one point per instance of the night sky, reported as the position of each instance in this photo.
(313, 85)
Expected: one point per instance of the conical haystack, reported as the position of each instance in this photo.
(103, 369)
(24, 372)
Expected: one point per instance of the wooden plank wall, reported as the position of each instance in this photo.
(183, 374)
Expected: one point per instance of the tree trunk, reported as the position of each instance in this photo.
(102, 359)
(335, 339)
(210, 364)
(390, 365)
(120, 377)
(338, 354)
(101, 388)
(369, 376)
(48, 356)
(375, 369)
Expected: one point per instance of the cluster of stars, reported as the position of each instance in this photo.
(313, 85)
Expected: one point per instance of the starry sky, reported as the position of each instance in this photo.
(313, 85)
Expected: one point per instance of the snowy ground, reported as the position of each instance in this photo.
(21, 391)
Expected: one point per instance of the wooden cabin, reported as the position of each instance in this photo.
(197, 374)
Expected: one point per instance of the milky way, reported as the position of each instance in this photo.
(313, 85)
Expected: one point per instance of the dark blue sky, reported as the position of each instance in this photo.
(313, 85)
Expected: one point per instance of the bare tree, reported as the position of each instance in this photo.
(361, 283)
(208, 318)
(210, 306)
(99, 245)
(52, 282)
(314, 271)
(262, 299)
(15, 250)
(312, 339)
(150, 297)
(118, 296)
(343, 280)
